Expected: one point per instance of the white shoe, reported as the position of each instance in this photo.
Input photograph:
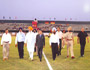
(31, 59)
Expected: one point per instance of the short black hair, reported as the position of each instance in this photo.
(58, 27)
(6, 29)
(21, 28)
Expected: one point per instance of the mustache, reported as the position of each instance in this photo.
(54, 32)
(70, 31)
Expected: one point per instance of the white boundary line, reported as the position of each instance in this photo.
(49, 66)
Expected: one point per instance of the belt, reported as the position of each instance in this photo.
(69, 39)
(6, 42)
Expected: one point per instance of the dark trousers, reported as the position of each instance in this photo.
(35, 49)
(20, 49)
(82, 49)
(60, 46)
(54, 50)
(40, 49)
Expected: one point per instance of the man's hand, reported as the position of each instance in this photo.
(15, 45)
(88, 41)
(9, 45)
(1, 45)
(43, 46)
(25, 44)
(58, 46)
(77, 42)
(50, 46)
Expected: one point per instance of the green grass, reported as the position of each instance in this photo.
(61, 62)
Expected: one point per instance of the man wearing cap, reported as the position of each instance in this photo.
(30, 42)
(5, 42)
(20, 38)
(59, 33)
(54, 43)
(82, 35)
(40, 43)
(70, 42)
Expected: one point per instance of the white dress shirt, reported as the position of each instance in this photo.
(54, 39)
(59, 34)
(30, 40)
(6, 38)
(20, 37)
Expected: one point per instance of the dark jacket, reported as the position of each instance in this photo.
(40, 41)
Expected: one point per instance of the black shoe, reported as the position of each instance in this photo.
(60, 53)
(57, 54)
(40, 60)
(54, 59)
(82, 55)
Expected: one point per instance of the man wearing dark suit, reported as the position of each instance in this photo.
(40, 43)
(82, 39)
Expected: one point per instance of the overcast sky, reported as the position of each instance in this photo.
(78, 10)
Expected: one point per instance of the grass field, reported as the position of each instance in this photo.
(61, 62)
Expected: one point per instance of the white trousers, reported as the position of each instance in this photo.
(5, 50)
(31, 55)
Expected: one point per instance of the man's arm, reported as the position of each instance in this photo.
(36, 39)
(87, 39)
(10, 40)
(25, 42)
(78, 40)
(2, 41)
(44, 40)
(16, 41)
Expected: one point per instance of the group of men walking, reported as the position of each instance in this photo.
(33, 39)
(59, 39)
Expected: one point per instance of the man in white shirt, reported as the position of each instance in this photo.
(54, 43)
(20, 38)
(59, 33)
(30, 42)
(5, 42)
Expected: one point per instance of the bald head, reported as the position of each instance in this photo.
(82, 29)
(69, 28)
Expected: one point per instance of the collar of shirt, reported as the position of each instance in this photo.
(59, 34)
(30, 32)
(6, 34)
(20, 32)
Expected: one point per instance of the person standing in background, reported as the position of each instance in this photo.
(40, 43)
(20, 38)
(35, 34)
(70, 42)
(63, 39)
(30, 42)
(59, 33)
(5, 42)
(82, 35)
(54, 43)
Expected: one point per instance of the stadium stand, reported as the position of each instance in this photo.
(15, 24)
